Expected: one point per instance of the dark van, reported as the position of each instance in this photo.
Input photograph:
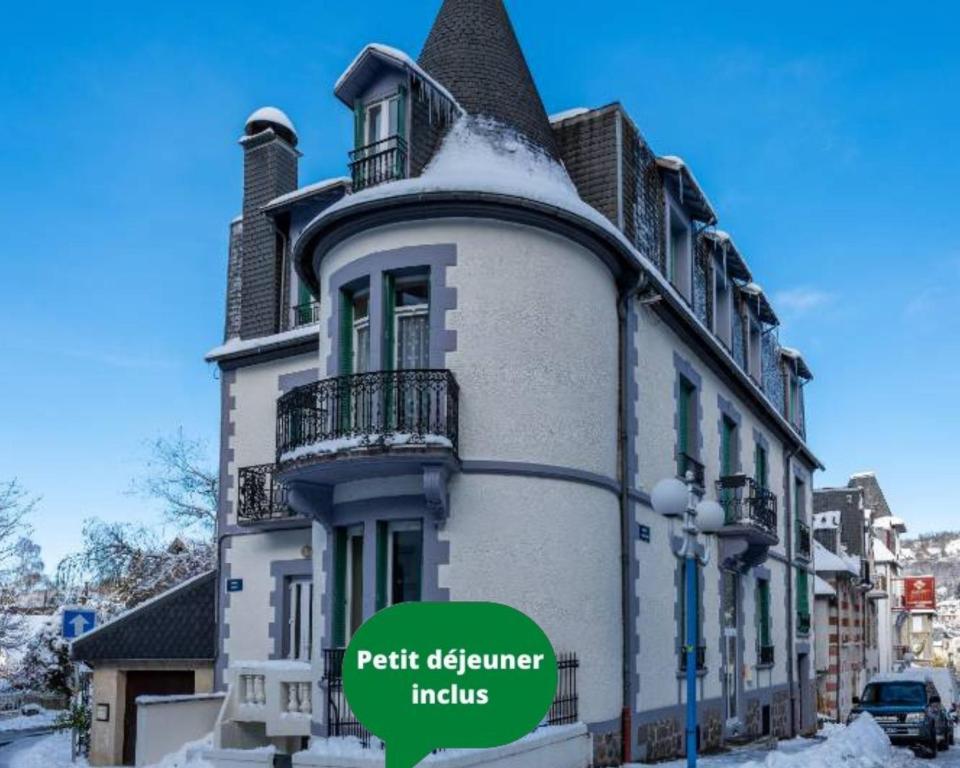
(909, 711)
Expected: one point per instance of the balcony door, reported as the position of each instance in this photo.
(408, 349)
(348, 584)
(382, 119)
(732, 663)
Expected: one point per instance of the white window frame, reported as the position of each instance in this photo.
(394, 527)
(360, 324)
(414, 310)
(385, 121)
(683, 280)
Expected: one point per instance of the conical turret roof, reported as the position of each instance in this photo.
(473, 50)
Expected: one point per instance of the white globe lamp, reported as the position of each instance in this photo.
(670, 497)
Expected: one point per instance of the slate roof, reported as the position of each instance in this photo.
(473, 51)
(873, 498)
(180, 624)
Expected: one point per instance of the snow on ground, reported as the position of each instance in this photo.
(860, 745)
(47, 717)
(47, 752)
(54, 752)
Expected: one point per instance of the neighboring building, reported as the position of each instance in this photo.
(163, 647)
(841, 671)
(457, 375)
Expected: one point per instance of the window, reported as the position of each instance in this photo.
(381, 119)
(686, 424)
(799, 499)
(299, 618)
(412, 323)
(722, 305)
(764, 639)
(399, 562)
(730, 603)
(760, 466)
(348, 584)
(793, 399)
(679, 248)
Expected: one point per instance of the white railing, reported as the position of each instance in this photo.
(276, 693)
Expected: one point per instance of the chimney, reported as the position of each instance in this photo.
(270, 160)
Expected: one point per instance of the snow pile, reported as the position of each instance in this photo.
(862, 744)
(189, 755)
(953, 548)
(340, 444)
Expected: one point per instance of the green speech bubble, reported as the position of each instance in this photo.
(496, 679)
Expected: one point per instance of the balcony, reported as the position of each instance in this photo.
(804, 543)
(379, 162)
(260, 499)
(750, 516)
(368, 424)
(303, 315)
(688, 465)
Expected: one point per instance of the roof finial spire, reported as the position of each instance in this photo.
(473, 50)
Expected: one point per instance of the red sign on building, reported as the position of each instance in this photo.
(920, 593)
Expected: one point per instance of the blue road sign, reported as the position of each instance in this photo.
(77, 622)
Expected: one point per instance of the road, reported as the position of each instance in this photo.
(13, 742)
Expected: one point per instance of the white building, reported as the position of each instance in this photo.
(457, 374)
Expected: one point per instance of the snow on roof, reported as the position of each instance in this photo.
(740, 269)
(569, 113)
(271, 115)
(482, 156)
(398, 58)
(306, 191)
(822, 588)
(870, 473)
(679, 166)
(802, 368)
(140, 606)
(882, 553)
(825, 561)
(237, 345)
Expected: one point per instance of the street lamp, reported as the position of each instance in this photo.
(682, 499)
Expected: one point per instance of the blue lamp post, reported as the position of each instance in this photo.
(681, 499)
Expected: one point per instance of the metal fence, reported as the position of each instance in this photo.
(341, 721)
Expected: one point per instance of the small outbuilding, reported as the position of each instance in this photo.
(163, 647)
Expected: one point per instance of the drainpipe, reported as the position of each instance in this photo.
(626, 524)
(791, 607)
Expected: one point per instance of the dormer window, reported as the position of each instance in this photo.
(754, 348)
(381, 120)
(679, 251)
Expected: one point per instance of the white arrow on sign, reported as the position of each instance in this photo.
(79, 625)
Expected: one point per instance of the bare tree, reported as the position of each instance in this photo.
(179, 476)
(15, 505)
(125, 564)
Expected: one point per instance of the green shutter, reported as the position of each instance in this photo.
(683, 424)
(726, 447)
(358, 115)
(339, 587)
(803, 596)
(383, 578)
(388, 358)
(760, 466)
(763, 612)
(346, 334)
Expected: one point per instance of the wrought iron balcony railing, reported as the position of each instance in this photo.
(304, 314)
(687, 463)
(260, 498)
(701, 658)
(379, 162)
(385, 409)
(745, 502)
(803, 540)
(803, 623)
(765, 655)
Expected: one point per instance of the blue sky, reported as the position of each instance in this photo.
(825, 134)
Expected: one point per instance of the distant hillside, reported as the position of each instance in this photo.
(937, 554)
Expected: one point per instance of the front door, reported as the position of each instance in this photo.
(354, 581)
(153, 683)
(731, 646)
